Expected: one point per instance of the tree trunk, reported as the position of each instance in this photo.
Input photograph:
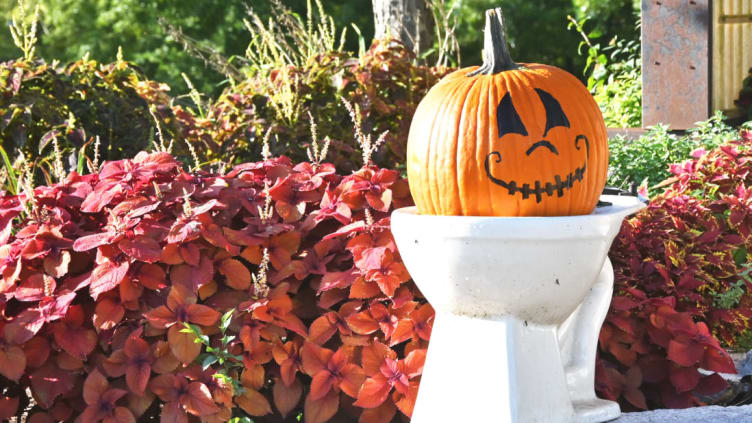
(409, 21)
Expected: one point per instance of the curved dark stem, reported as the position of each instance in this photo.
(587, 144)
(496, 57)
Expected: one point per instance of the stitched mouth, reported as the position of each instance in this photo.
(558, 186)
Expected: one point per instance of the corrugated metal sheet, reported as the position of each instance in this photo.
(732, 50)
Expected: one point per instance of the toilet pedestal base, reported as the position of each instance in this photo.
(499, 371)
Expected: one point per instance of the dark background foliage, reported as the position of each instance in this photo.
(538, 31)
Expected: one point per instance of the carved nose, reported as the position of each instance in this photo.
(542, 143)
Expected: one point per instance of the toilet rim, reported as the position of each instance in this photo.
(603, 223)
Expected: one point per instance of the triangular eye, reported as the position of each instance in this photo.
(507, 118)
(554, 115)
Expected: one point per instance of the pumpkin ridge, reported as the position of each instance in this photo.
(449, 149)
(436, 148)
(461, 141)
(588, 110)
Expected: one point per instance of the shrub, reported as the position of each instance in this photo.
(682, 287)
(385, 85)
(744, 102)
(649, 156)
(271, 290)
(614, 75)
(41, 104)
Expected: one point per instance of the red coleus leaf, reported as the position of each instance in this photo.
(109, 312)
(288, 357)
(687, 354)
(35, 287)
(381, 414)
(330, 371)
(193, 277)
(254, 403)
(24, 326)
(94, 386)
(321, 410)
(107, 276)
(142, 249)
(377, 316)
(198, 401)
(341, 280)
(287, 396)
(406, 402)
(278, 310)
(56, 265)
(374, 392)
(8, 407)
(48, 382)
(374, 355)
(181, 307)
(418, 326)
(314, 358)
(138, 363)
(181, 395)
(253, 376)
(183, 345)
(237, 275)
(332, 207)
(711, 385)
(101, 401)
(72, 337)
(214, 234)
(184, 230)
(323, 328)
(718, 360)
(12, 361)
(685, 379)
(151, 276)
(89, 242)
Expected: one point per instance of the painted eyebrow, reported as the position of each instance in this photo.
(508, 120)
(554, 114)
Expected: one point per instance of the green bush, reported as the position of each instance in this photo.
(47, 107)
(614, 75)
(649, 156)
(296, 72)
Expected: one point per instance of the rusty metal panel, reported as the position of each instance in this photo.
(732, 50)
(675, 62)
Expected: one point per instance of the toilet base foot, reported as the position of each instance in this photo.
(596, 410)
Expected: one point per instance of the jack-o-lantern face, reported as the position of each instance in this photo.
(507, 140)
(508, 121)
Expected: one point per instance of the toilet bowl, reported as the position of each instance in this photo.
(519, 304)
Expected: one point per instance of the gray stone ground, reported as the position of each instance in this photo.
(713, 414)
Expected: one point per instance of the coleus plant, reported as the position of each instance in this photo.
(269, 291)
(674, 262)
(277, 289)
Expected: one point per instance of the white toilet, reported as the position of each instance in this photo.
(519, 304)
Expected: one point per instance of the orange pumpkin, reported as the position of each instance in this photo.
(507, 139)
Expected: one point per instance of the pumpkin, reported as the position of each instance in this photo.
(507, 139)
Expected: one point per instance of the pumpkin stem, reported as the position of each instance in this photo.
(496, 57)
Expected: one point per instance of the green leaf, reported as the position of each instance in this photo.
(227, 339)
(226, 320)
(12, 180)
(596, 33)
(740, 256)
(208, 361)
